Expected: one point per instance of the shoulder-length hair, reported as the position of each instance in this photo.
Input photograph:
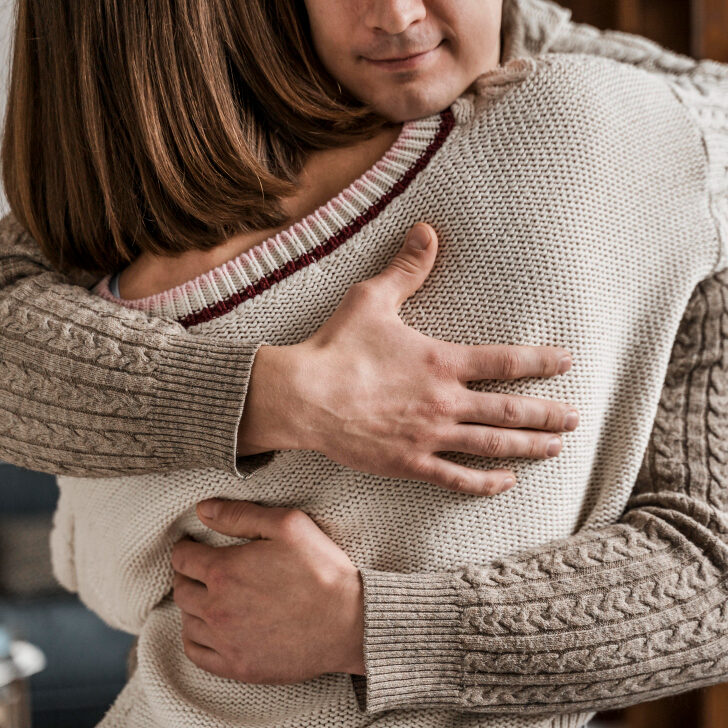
(163, 125)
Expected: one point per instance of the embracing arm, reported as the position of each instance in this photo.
(603, 619)
(88, 387)
(91, 388)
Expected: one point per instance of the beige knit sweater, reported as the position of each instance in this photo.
(498, 621)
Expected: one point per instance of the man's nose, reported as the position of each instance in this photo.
(394, 16)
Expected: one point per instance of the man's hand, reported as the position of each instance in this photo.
(376, 395)
(284, 608)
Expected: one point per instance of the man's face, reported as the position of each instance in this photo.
(355, 38)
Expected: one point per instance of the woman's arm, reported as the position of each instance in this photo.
(605, 618)
(91, 388)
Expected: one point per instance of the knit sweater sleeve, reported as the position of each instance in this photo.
(89, 388)
(701, 86)
(605, 618)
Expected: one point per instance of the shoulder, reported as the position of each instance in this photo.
(601, 137)
(21, 258)
(595, 96)
(700, 88)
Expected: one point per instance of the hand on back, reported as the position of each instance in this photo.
(376, 395)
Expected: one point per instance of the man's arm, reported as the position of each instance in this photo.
(605, 618)
(92, 388)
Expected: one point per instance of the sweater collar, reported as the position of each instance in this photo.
(528, 29)
(220, 290)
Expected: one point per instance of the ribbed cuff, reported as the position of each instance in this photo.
(202, 383)
(412, 651)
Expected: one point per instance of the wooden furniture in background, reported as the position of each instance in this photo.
(709, 29)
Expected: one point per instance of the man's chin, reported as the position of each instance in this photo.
(399, 110)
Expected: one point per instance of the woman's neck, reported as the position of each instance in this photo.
(324, 175)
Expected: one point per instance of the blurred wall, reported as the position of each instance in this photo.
(6, 15)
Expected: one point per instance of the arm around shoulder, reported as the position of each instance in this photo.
(89, 388)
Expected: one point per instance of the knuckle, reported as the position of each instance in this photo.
(292, 521)
(512, 411)
(458, 483)
(405, 264)
(362, 292)
(236, 510)
(536, 448)
(510, 363)
(489, 487)
(418, 468)
(214, 576)
(215, 615)
(547, 364)
(439, 407)
(493, 442)
(440, 363)
(554, 418)
(417, 441)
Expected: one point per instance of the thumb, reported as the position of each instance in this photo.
(412, 264)
(239, 518)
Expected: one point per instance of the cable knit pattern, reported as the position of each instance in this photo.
(91, 388)
(574, 592)
(608, 617)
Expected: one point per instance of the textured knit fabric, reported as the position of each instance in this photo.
(579, 201)
(90, 388)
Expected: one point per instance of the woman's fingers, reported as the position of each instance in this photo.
(192, 559)
(189, 595)
(501, 361)
(205, 658)
(461, 479)
(196, 630)
(499, 442)
(513, 410)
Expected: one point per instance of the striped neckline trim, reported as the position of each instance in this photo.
(218, 291)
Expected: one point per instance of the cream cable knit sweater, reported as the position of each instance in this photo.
(679, 543)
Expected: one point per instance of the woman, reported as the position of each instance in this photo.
(655, 535)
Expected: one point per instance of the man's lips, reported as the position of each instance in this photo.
(404, 62)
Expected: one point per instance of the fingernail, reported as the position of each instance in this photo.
(571, 420)
(554, 447)
(508, 483)
(418, 237)
(209, 509)
(565, 365)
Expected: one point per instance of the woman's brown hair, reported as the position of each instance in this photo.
(163, 125)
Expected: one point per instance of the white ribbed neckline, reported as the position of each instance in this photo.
(219, 290)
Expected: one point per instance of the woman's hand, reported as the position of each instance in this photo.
(376, 395)
(284, 608)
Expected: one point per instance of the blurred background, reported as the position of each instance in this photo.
(86, 659)
(5, 30)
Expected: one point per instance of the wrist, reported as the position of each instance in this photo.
(267, 422)
(353, 660)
